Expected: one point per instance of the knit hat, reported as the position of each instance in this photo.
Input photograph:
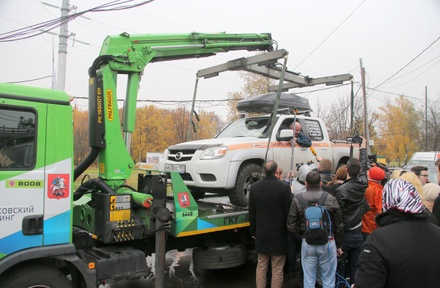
(431, 191)
(401, 195)
(376, 173)
(303, 171)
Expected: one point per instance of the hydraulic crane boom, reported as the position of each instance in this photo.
(129, 54)
(54, 234)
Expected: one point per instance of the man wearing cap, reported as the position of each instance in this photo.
(299, 184)
(373, 195)
(404, 251)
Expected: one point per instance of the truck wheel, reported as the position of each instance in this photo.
(247, 175)
(28, 276)
(227, 256)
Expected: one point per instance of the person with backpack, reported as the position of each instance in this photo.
(315, 218)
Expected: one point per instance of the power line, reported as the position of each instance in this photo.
(424, 50)
(30, 80)
(46, 26)
(397, 94)
(326, 38)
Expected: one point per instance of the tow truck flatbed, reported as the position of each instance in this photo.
(190, 217)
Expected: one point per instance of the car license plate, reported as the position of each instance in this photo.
(175, 167)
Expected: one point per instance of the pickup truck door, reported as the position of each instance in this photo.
(282, 151)
(319, 136)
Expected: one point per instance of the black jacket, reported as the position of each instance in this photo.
(351, 196)
(295, 220)
(403, 253)
(326, 176)
(303, 140)
(269, 203)
(436, 209)
(331, 188)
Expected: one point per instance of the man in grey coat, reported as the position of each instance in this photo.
(269, 204)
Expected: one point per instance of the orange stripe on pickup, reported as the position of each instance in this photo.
(280, 144)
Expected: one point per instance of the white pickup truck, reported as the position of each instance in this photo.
(229, 163)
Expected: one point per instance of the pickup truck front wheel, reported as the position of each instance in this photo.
(247, 175)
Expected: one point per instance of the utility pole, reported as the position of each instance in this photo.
(62, 47)
(364, 92)
(63, 36)
(426, 118)
(140, 144)
(351, 108)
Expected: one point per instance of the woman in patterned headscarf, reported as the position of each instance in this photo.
(404, 251)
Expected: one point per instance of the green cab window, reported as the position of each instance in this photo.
(17, 139)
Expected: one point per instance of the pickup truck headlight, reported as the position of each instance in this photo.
(214, 153)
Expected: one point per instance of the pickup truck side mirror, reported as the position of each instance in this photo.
(285, 135)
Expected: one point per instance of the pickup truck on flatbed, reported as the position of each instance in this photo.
(231, 162)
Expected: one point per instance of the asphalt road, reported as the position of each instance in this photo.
(180, 274)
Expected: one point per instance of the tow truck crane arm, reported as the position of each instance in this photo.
(129, 54)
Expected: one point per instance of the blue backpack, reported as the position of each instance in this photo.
(317, 220)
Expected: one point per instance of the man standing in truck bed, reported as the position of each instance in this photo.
(269, 203)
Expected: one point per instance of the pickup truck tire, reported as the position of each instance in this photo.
(247, 175)
(27, 276)
(222, 257)
(197, 195)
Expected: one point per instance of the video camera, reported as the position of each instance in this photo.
(309, 163)
(354, 139)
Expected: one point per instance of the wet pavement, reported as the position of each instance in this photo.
(179, 270)
(179, 273)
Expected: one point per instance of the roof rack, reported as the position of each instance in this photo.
(288, 103)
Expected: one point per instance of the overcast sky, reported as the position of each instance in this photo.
(397, 40)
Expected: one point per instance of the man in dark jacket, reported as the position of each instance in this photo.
(351, 199)
(325, 167)
(404, 251)
(269, 203)
(317, 257)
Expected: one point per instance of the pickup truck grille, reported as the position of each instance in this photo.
(180, 155)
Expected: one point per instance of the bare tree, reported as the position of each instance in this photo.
(338, 118)
(433, 126)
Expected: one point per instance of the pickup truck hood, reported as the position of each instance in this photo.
(206, 143)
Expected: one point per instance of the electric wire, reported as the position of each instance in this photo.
(30, 80)
(43, 27)
(406, 65)
(326, 38)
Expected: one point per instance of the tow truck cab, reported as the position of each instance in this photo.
(36, 163)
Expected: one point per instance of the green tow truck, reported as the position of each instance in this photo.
(52, 236)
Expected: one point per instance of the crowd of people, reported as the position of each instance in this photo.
(383, 228)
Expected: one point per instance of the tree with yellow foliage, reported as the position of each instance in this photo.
(399, 131)
(254, 85)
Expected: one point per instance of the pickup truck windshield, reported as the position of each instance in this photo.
(247, 127)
